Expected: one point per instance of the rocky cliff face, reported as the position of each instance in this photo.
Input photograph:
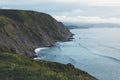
(23, 31)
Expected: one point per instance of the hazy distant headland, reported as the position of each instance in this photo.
(92, 25)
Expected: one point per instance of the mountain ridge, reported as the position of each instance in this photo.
(23, 31)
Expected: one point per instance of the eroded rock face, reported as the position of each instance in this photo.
(23, 31)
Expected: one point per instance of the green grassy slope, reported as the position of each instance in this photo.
(16, 67)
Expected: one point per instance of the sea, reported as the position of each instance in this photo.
(94, 50)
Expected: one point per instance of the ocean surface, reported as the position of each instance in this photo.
(94, 50)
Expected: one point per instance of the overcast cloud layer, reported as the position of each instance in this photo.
(86, 11)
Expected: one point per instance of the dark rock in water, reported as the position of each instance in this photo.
(23, 31)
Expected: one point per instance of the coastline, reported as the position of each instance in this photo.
(21, 32)
(39, 58)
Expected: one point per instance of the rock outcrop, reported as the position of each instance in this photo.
(23, 31)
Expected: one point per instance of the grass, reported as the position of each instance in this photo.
(3, 20)
(17, 67)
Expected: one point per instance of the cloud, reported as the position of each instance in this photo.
(72, 12)
(87, 19)
(105, 3)
(6, 7)
(71, 2)
(23, 2)
(93, 2)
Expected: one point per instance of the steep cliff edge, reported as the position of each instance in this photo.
(23, 31)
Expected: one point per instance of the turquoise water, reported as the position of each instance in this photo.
(95, 50)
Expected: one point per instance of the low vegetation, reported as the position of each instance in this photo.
(17, 67)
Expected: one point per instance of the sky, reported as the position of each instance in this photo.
(71, 11)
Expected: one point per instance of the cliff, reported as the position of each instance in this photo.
(23, 31)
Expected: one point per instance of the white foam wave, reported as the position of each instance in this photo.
(39, 49)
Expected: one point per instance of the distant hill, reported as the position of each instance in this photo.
(92, 25)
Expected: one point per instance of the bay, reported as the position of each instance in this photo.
(94, 50)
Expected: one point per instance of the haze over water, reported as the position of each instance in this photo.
(94, 50)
